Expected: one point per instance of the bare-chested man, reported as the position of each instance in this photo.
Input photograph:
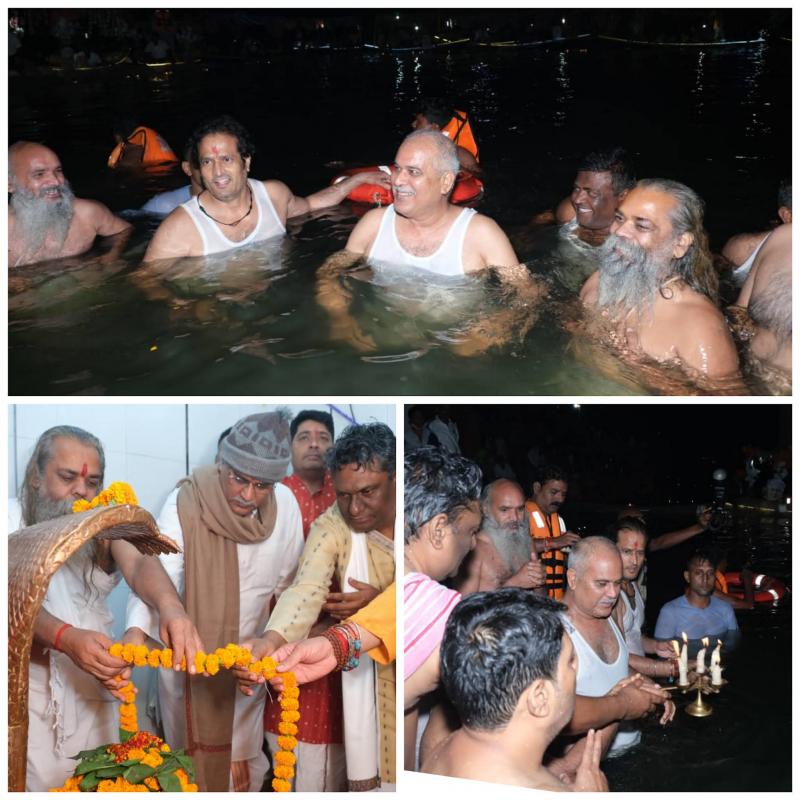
(233, 210)
(503, 554)
(421, 229)
(509, 669)
(45, 219)
(767, 296)
(656, 289)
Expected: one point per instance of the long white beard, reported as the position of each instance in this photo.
(513, 545)
(38, 220)
(630, 276)
(45, 508)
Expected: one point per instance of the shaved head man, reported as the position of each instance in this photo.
(45, 219)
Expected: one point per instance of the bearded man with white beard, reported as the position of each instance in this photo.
(503, 555)
(45, 219)
(657, 288)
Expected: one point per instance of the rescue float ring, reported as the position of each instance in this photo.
(766, 589)
(467, 188)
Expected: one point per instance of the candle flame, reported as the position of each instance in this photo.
(675, 647)
(685, 638)
(705, 641)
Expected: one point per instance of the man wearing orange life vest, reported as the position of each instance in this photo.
(456, 126)
(141, 147)
(549, 532)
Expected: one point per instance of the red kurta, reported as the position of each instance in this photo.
(320, 701)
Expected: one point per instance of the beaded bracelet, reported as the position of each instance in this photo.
(346, 644)
(354, 648)
(338, 646)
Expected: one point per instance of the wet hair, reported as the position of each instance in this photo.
(446, 153)
(549, 472)
(435, 111)
(701, 557)
(582, 552)
(629, 524)
(495, 645)
(41, 457)
(785, 194)
(223, 124)
(616, 161)
(695, 266)
(366, 445)
(323, 417)
(437, 483)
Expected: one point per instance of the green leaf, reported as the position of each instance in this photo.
(186, 762)
(137, 773)
(169, 782)
(90, 753)
(90, 765)
(110, 772)
(89, 783)
(170, 764)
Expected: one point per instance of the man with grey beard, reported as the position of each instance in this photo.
(656, 287)
(72, 677)
(503, 553)
(45, 219)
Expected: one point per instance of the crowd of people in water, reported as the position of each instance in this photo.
(527, 656)
(641, 267)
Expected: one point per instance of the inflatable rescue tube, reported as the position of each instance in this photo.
(765, 588)
(467, 188)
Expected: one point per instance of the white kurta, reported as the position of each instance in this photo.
(68, 709)
(265, 570)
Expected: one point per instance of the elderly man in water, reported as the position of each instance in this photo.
(767, 296)
(421, 229)
(656, 287)
(234, 210)
(45, 219)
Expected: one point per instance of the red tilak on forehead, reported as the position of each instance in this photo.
(84, 471)
(215, 150)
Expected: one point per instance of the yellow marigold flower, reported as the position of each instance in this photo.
(285, 759)
(289, 704)
(152, 784)
(212, 665)
(115, 650)
(289, 680)
(226, 658)
(136, 753)
(287, 728)
(107, 786)
(280, 785)
(291, 694)
(166, 658)
(181, 775)
(153, 759)
(190, 787)
(290, 716)
(165, 748)
(78, 506)
(154, 658)
(243, 657)
(127, 653)
(267, 670)
(287, 742)
(140, 655)
(269, 663)
(199, 661)
(283, 772)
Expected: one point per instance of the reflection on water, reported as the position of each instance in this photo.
(253, 324)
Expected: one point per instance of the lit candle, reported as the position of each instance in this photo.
(701, 657)
(716, 665)
(683, 662)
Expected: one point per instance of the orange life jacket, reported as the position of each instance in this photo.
(460, 131)
(156, 150)
(555, 561)
(720, 582)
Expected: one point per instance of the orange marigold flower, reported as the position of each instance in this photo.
(281, 785)
(291, 692)
(140, 655)
(226, 658)
(287, 728)
(166, 658)
(212, 665)
(153, 759)
(285, 759)
(287, 742)
(78, 506)
(289, 704)
(152, 784)
(107, 786)
(154, 658)
(283, 772)
(199, 661)
(165, 748)
(290, 716)
(115, 650)
(127, 653)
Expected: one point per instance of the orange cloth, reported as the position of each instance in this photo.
(720, 582)
(156, 150)
(379, 617)
(460, 131)
(555, 561)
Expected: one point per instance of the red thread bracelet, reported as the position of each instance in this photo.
(58, 635)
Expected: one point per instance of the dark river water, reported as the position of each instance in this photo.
(718, 119)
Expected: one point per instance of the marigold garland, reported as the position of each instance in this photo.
(118, 493)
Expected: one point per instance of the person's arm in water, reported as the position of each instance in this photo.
(174, 237)
(486, 247)
(283, 197)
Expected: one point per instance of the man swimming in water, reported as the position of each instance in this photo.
(45, 219)
(234, 210)
(767, 296)
(657, 289)
(601, 183)
(741, 250)
(423, 230)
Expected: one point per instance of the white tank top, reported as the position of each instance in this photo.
(743, 270)
(447, 260)
(215, 241)
(633, 620)
(596, 678)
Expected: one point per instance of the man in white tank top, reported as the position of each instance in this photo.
(422, 229)
(233, 211)
(594, 578)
